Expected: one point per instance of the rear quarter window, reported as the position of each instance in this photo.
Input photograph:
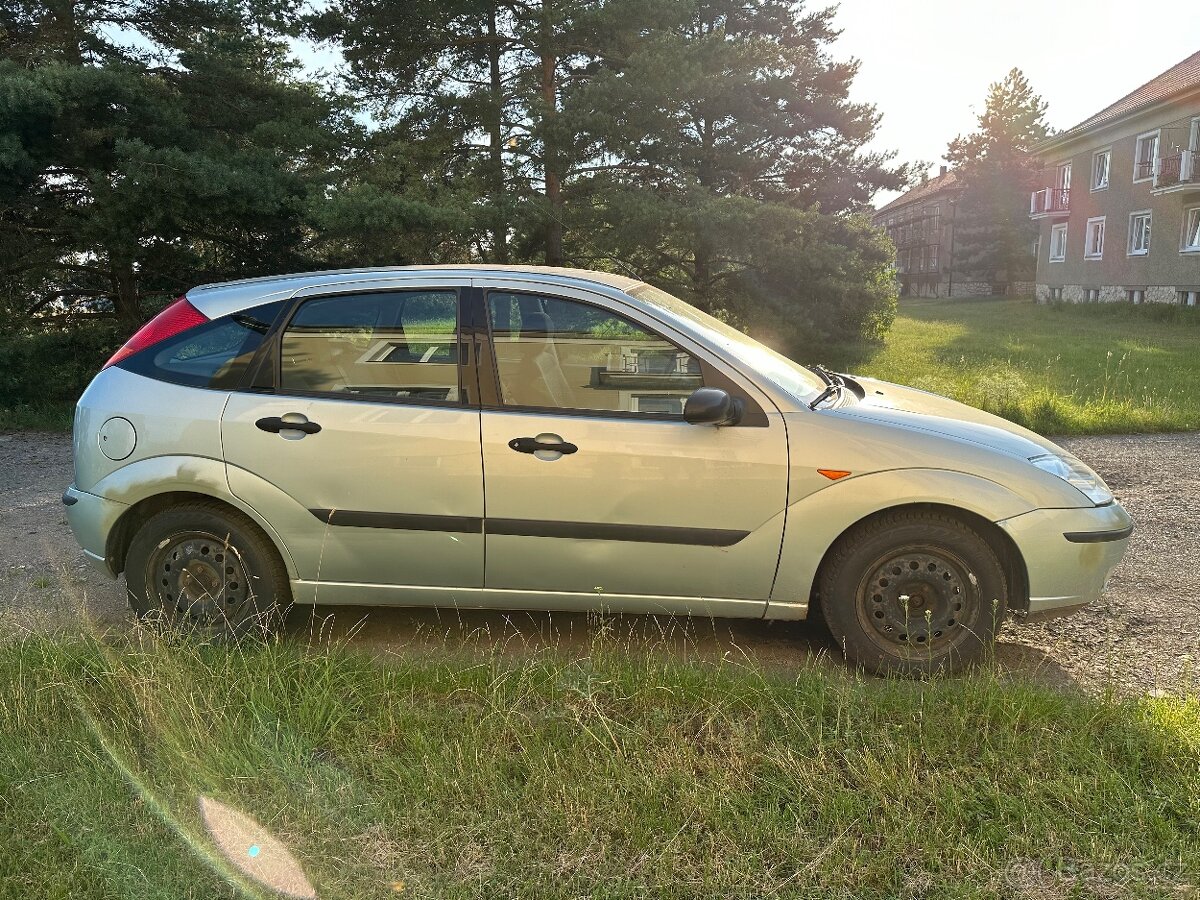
(212, 355)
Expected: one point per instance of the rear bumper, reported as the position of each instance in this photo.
(92, 519)
(1069, 554)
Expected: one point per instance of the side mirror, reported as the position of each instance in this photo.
(712, 406)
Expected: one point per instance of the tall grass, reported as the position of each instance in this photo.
(612, 772)
(1057, 368)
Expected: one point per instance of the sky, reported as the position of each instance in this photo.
(926, 64)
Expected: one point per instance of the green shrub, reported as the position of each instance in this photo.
(43, 372)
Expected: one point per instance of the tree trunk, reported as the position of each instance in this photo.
(64, 31)
(496, 150)
(125, 294)
(551, 161)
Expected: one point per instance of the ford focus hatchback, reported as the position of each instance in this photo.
(525, 438)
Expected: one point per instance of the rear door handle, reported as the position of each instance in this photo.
(275, 424)
(533, 445)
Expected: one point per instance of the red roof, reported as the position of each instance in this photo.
(1175, 80)
(922, 191)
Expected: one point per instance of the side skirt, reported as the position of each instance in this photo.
(338, 593)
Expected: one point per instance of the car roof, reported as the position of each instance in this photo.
(229, 296)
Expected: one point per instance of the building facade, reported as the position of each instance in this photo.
(921, 225)
(1119, 201)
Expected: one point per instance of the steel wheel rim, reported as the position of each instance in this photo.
(199, 580)
(918, 601)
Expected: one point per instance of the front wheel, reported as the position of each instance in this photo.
(207, 570)
(913, 593)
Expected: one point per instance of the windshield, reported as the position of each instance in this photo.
(793, 379)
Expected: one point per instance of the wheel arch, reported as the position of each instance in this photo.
(1006, 550)
(123, 530)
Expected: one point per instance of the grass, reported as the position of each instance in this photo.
(613, 773)
(1058, 369)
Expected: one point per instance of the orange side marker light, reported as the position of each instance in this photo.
(834, 474)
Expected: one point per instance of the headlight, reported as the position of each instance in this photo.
(1075, 473)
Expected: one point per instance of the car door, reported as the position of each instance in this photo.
(363, 452)
(639, 510)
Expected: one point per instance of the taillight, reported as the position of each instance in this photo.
(178, 317)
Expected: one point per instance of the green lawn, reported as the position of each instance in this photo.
(621, 772)
(1059, 369)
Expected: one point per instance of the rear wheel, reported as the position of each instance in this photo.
(204, 569)
(911, 593)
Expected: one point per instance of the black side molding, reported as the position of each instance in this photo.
(1098, 537)
(588, 531)
(401, 521)
(603, 531)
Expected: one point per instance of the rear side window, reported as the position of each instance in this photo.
(395, 346)
(212, 355)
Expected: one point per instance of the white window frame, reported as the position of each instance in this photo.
(1106, 152)
(1190, 214)
(1138, 214)
(1053, 230)
(1097, 253)
(1137, 153)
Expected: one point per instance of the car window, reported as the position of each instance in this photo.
(212, 355)
(563, 354)
(401, 345)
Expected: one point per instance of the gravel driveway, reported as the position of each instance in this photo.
(1143, 636)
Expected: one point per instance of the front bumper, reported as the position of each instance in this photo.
(92, 519)
(1069, 553)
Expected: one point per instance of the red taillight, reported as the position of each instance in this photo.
(179, 316)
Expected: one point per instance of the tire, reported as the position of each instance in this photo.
(203, 569)
(913, 593)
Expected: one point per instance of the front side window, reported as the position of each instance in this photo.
(1145, 152)
(212, 355)
(562, 354)
(1191, 230)
(395, 346)
(1058, 243)
(1139, 234)
(1093, 246)
(1100, 163)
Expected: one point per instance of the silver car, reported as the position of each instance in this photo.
(529, 438)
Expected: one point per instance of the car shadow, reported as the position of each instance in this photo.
(783, 647)
(394, 630)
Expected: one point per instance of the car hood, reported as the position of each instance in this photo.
(915, 410)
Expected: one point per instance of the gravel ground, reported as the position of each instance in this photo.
(1144, 635)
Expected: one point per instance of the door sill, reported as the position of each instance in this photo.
(341, 593)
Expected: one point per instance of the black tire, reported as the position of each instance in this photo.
(913, 593)
(204, 569)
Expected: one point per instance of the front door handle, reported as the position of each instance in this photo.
(275, 424)
(533, 445)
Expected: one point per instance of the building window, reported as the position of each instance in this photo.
(1100, 163)
(1144, 154)
(1093, 241)
(1135, 295)
(1092, 295)
(1055, 293)
(1139, 233)
(1189, 298)
(933, 258)
(1191, 230)
(1058, 243)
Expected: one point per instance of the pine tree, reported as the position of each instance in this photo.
(996, 170)
(733, 160)
(152, 145)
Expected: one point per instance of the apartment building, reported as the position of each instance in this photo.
(1119, 200)
(921, 224)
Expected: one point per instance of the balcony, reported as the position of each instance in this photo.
(1050, 203)
(1177, 173)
